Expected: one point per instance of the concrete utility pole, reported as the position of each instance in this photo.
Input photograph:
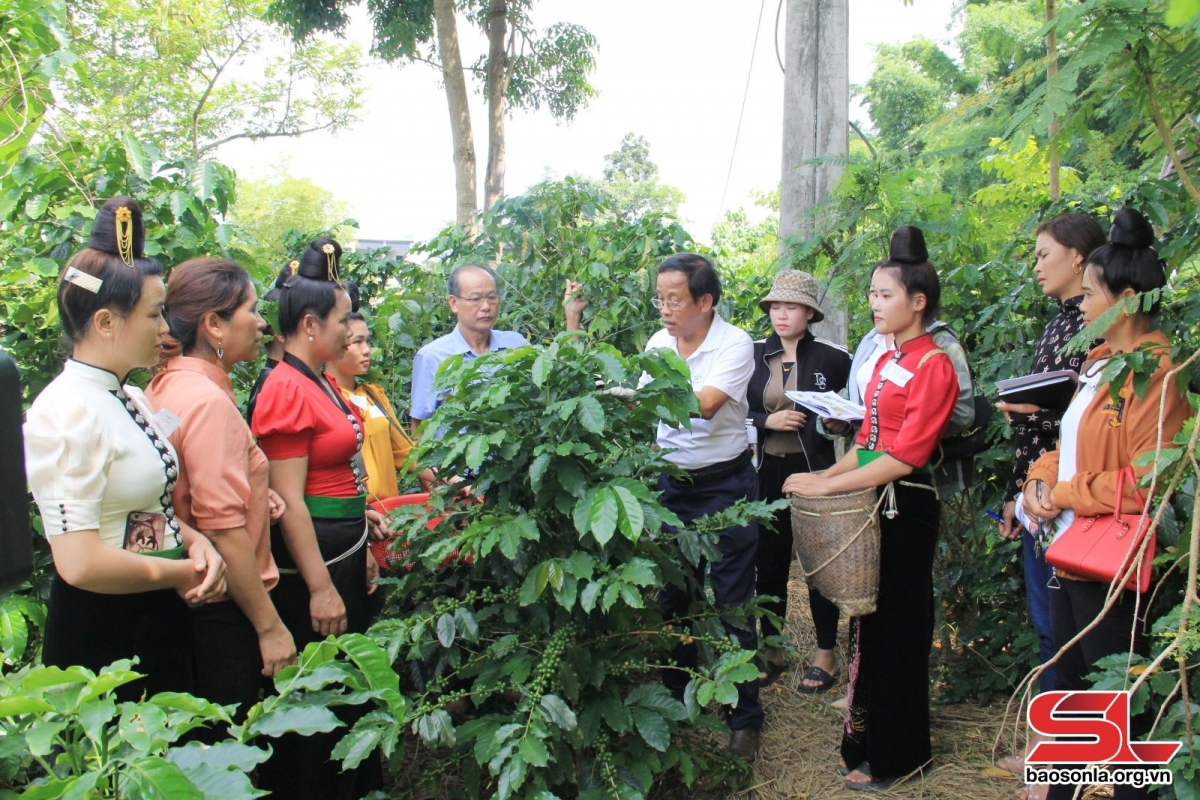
(816, 122)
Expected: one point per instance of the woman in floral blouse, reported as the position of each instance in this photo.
(1061, 249)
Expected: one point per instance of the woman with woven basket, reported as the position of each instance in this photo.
(1102, 439)
(909, 402)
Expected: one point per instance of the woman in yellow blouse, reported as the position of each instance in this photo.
(385, 444)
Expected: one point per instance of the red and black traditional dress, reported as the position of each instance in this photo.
(298, 415)
(909, 401)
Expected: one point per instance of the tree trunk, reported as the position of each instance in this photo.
(1051, 71)
(455, 81)
(497, 86)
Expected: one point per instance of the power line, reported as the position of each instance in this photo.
(742, 113)
(778, 57)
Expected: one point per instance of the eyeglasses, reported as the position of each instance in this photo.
(674, 305)
(492, 299)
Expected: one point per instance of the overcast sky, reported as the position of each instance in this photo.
(674, 71)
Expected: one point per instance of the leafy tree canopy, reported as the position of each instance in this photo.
(631, 182)
(270, 207)
(192, 75)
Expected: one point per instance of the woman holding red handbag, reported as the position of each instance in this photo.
(1101, 438)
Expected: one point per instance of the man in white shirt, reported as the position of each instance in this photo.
(715, 453)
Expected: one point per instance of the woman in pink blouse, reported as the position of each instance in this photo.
(212, 312)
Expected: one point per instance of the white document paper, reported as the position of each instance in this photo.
(828, 404)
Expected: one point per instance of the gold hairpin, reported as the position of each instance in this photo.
(125, 235)
(293, 266)
(331, 271)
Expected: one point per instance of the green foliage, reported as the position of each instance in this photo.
(34, 46)
(551, 630)
(1126, 73)
(48, 198)
(547, 68)
(20, 617)
(562, 230)
(63, 734)
(267, 209)
(901, 98)
(190, 76)
(631, 182)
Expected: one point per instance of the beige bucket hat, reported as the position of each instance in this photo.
(793, 286)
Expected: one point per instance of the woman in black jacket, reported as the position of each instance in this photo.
(791, 358)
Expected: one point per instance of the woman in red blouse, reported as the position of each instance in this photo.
(910, 399)
(312, 438)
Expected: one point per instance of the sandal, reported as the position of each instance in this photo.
(773, 673)
(843, 770)
(871, 785)
(826, 681)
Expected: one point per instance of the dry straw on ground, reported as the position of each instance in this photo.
(801, 737)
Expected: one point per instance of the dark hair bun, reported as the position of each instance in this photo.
(1132, 229)
(908, 245)
(285, 275)
(321, 260)
(355, 297)
(104, 228)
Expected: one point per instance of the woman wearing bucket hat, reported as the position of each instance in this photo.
(792, 359)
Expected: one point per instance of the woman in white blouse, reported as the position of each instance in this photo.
(101, 470)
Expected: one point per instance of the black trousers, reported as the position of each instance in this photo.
(301, 766)
(732, 577)
(773, 560)
(887, 719)
(1073, 606)
(93, 630)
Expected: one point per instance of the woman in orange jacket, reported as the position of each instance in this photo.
(1099, 437)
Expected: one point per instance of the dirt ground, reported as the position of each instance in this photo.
(802, 733)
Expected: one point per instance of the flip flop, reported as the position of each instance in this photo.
(827, 681)
(773, 673)
(864, 768)
(871, 785)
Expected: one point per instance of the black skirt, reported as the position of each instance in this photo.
(93, 630)
(887, 722)
(300, 766)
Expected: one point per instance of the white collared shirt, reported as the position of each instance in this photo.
(724, 361)
(90, 462)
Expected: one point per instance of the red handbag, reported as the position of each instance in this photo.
(1101, 548)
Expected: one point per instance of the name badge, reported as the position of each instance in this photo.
(166, 422)
(896, 374)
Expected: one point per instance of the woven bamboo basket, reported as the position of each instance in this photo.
(836, 541)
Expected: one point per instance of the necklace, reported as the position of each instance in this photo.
(170, 467)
